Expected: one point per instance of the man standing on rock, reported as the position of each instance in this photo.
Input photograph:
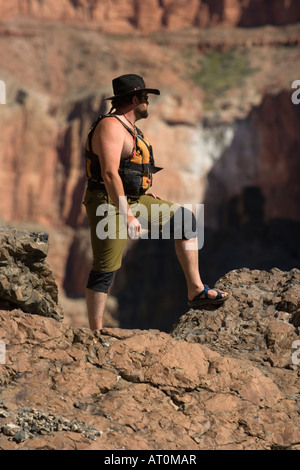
(120, 167)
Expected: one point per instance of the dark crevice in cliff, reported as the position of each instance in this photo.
(263, 154)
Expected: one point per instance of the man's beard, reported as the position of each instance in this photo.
(141, 114)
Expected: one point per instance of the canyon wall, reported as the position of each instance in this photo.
(154, 15)
(264, 152)
(252, 126)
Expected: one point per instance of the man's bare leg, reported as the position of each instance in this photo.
(95, 302)
(187, 254)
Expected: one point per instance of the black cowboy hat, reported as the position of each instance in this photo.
(128, 85)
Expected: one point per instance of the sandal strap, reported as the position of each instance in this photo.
(219, 296)
(205, 292)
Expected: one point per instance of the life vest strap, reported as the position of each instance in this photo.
(140, 167)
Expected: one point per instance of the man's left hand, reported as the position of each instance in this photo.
(154, 195)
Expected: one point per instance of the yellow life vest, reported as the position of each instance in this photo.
(136, 171)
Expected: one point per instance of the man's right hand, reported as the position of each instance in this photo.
(133, 228)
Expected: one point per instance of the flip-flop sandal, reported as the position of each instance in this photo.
(200, 301)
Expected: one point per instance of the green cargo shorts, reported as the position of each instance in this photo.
(108, 230)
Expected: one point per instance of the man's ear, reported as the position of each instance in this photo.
(135, 100)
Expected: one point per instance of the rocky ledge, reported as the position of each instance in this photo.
(222, 379)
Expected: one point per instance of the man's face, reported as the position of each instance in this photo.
(141, 111)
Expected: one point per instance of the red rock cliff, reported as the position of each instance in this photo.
(154, 15)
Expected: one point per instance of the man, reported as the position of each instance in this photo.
(120, 167)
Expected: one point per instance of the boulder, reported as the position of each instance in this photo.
(259, 321)
(26, 280)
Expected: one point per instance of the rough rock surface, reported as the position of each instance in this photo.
(259, 322)
(223, 379)
(26, 280)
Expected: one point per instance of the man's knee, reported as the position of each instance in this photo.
(182, 225)
(100, 281)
